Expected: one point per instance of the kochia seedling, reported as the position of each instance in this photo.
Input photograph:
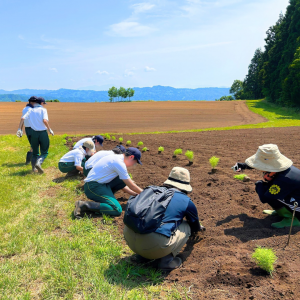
(240, 176)
(161, 149)
(214, 161)
(189, 155)
(113, 138)
(128, 143)
(177, 152)
(144, 149)
(140, 144)
(265, 259)
(121, 140)
(108, 137)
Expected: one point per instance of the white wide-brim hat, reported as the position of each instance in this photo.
(268, 158)
(180, 178)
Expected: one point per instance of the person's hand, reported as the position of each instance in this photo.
(238, 167)
(195, 237)
(51, 131)
(19, 133)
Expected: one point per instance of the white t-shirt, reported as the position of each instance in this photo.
(75, 156)
(108, 168)
(27, 121)
(96, 157)
(36, 117)
(80, 143)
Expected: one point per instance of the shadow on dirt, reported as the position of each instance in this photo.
(254, 229)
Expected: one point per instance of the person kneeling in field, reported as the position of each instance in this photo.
(281, 185)
(97, 141)
(88, 165)
(108, 176)
(154, 225)
(71, 163)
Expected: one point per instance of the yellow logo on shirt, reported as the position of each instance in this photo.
(274, 189)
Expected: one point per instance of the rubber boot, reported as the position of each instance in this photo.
(86, 207)
(28, 157)
(33, 163)
(169, 262)
(287, 219)
(39, 165)
(270, 212)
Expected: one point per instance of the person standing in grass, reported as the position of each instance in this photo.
(100, 154)
(38, 118)
(30, 105)
(97, 140)
(71, 163)
(165, 230)
(280, 187)
(108, 176)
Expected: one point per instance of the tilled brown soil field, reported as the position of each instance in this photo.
(95, 118)
(219, 265)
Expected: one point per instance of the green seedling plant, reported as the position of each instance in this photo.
(74, 144)
(214, 162)
(190, 156)
(113, 138)
(177, 152)
(128, 143)
(161, 149)
(121, 140)
(145, 149)
(240, 176)
(265, 258)
(108, 137)
(139, 144)
(69, 140)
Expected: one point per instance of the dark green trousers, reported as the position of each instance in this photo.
(86, 171)
(104, 193)
(28, 131)
(40, 142)
(66, 167)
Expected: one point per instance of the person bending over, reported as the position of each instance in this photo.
(108, 176)
(280, 187)
(88, 165)
(97, 140)
(71, 163)
(165, 241)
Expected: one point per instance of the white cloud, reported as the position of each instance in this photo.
(21, 37)
(53, 69)
(129, 72)
(102, 72)
(149, 69)
(141, 7)
(130, 29)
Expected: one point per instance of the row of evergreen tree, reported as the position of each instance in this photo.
(114, 92)
(275, 72)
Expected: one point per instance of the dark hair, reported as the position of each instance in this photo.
(84, 148)
(169, 186)
(128, 153)
(117, 150)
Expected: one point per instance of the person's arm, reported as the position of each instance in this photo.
(132, 186)
(129, 191)
(79, 168)
(45, 121)
(192, 218)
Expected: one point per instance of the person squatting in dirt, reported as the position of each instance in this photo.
(108, 176)
(72, 162)
(88, 165)
(39, 123)
(281, 185)
(97, 141)
(161, 232)
(29, 106)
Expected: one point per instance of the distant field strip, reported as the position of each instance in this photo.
(142, 117)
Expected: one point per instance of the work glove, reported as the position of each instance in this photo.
(240, 167)
(51, 131)
(19, 133)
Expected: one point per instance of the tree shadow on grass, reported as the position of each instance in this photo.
(129, 273)
(255, 229)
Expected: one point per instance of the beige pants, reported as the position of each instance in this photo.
(154, 245)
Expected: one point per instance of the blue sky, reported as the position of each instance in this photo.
(185, 43)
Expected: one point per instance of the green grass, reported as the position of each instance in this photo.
(265, 258)
(45, 254)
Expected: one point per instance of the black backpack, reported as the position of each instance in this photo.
(144, 212)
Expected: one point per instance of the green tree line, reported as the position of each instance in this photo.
(114, 92)
(275, 72)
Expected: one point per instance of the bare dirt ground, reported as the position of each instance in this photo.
(219, 266)
(92, 118)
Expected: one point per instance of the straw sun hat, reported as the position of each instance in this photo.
(268, 158)
(180, 178)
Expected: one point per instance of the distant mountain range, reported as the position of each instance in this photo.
(156, 93)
